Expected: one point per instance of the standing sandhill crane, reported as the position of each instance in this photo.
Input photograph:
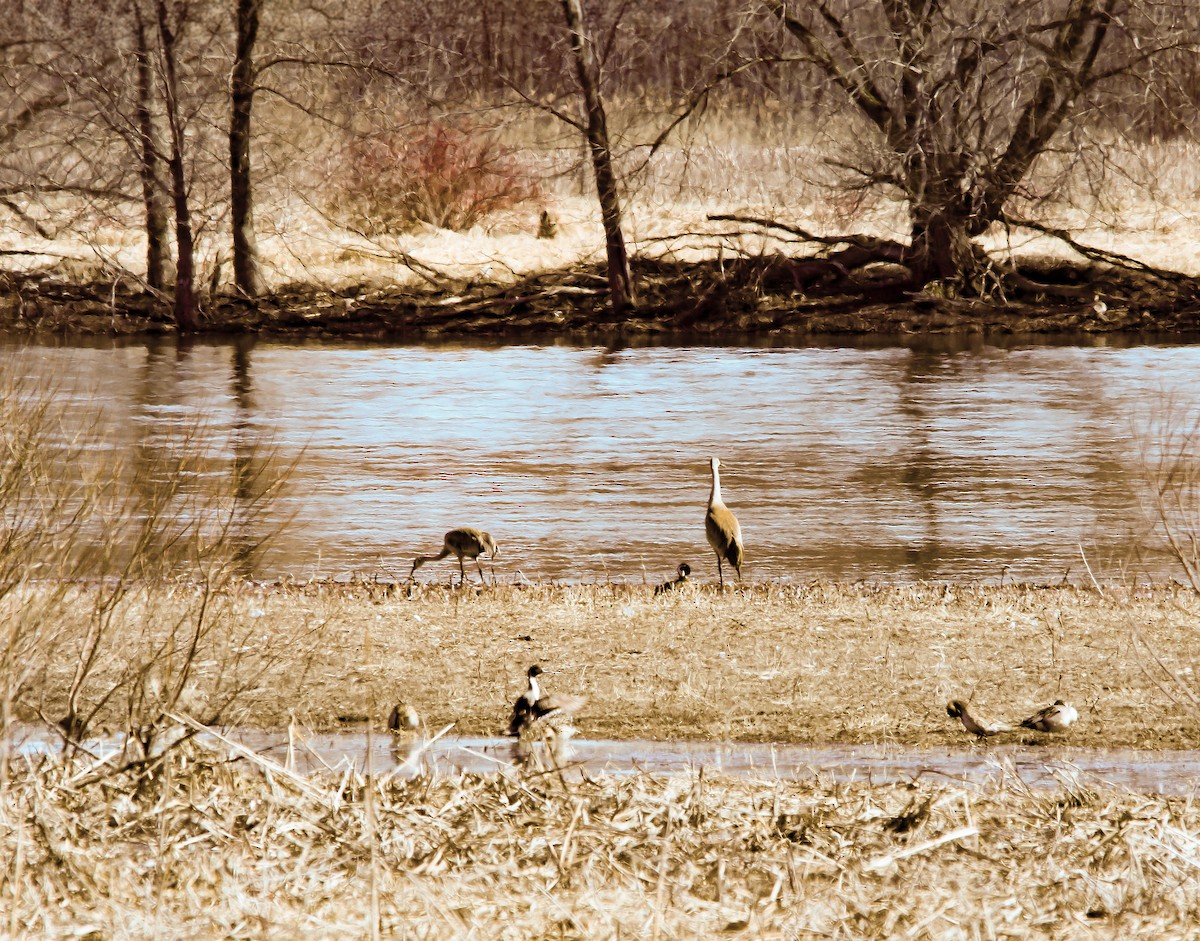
(463, 542)
(724, 533)
(684, 571)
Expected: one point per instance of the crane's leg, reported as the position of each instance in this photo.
(462, 573)
(720, 573)
(480, 567)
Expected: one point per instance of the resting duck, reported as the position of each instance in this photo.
(957, 709)
(1057, 717)
(684, 571)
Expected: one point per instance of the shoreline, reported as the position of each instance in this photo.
(690, 304)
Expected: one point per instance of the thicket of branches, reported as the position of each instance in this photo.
(146, 109)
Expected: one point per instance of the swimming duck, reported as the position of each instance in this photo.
(1056, 717)
(957, 709)
(403, 721)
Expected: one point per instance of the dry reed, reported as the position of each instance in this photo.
(202, 845)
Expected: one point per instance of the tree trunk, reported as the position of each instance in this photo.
(186, 318)
(245, 248)
(945, 222)
(943, 249)
(620, 281)
(159, 270)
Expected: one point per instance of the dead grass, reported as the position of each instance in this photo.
(198, 843)
(204, 847)
(809, 664)
(736, 163)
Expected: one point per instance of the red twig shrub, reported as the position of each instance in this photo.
(389, 183)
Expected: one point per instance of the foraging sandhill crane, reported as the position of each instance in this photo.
(721, 526)
(957, 709)
(684, 571)
(464, 542)
(1056, 717)
(540, 715)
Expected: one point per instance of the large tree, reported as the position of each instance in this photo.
(595, 130)
(241, 199)
(957, 100)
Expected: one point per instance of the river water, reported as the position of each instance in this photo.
(944, 461)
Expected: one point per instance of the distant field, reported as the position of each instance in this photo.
(1142, 204)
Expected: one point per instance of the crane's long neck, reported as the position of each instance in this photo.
(534, 693)
(715, 496)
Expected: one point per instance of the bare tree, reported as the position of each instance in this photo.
(519, 54)
(958, 101)
(241, 202)
(595, 130)
(186, 312)
(159, 268)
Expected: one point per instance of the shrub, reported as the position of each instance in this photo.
(389, 183)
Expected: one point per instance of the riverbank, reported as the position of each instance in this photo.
(766, 297)
(811, 664)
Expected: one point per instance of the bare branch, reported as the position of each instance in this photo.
(1088, 251)
(860, 90)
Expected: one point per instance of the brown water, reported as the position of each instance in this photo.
(1167, 772)
(1157, 772)
(887, 462)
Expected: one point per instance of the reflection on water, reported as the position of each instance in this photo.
(1151, 772)
(883, 462)
(1147, 772)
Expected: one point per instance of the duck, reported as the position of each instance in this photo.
(408, 737)
(671, 584)
(540, 715)
(403, 721)
(957, 709)
(1057, 717)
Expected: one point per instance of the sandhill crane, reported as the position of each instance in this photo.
(724, 533)
(684, 571)
(541, 716)
(464, 542)
(957, 709)
(1056, 717)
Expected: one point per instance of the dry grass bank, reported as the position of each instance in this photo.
(203, 844)
(202, 847)
(1140, 204)
(806, 664)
